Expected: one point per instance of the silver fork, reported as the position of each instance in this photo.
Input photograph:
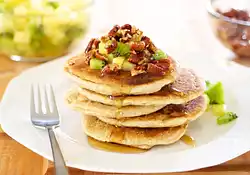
(48, 119)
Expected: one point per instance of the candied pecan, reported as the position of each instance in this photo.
(135, 58)
(152, 49)
(113, 31)
(162, 63)
(146, 40)
(105, 38)
(155, 70)
(237, 14)
(243, 15)
(232, 13)
(147, 54)
(111, 47)
(137, 46)
(110, 70)
(137, 36)
(141, 67)
(126, 26)
(95, 43)
(127, 37)
(137, 71)
(89, 45)
(100, 56)
(88, 56)
(133, 30)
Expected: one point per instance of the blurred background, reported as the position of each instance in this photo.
(42, 30)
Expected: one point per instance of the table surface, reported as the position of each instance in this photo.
(16, 159)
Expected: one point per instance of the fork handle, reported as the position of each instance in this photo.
(60, 166)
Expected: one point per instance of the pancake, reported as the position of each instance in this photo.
(143, 138)
(122, 84)
(187, 86)
(82, 104)
(170, 116)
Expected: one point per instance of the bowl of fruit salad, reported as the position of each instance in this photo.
(42, 30)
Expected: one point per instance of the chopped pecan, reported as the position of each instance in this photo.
(138, 70)
(112, 46)
(137, 36)
(155, 70)
(135, 58)
(243, 15)
(147, 54)
(100, 56)
(237, 14)
(127, 26)
(105, 38)
(127, 37)
(89, 45)
(88, 56)
(95, 44)
(133, 30)
(110, 70)
(141, 67)
(163, 63)
(146, 40)
(137, 46)
(113, 31)
(152, 49)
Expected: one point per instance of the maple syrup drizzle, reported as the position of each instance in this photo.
(188, 140)
(112, 147)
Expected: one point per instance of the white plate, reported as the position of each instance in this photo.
(215, 144)
(195, 48)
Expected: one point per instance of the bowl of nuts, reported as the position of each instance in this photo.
(230, 22)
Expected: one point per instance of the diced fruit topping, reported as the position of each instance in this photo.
(159, 55)
(127, 66)
(96, 63)
(125, 48)
(218, 110)
(102, 48)
(119, 61)
(226, 118)
(215, 95)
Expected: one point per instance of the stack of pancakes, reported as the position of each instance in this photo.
(140, 112)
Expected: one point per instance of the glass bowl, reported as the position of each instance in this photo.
(233, 32)
(41, 32)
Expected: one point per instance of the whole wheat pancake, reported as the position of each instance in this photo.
(186, 87)
(121, 84)
(82, 104)
(170, 116)
(143, 138)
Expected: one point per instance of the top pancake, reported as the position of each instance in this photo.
(187, 86)
(122, 84)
